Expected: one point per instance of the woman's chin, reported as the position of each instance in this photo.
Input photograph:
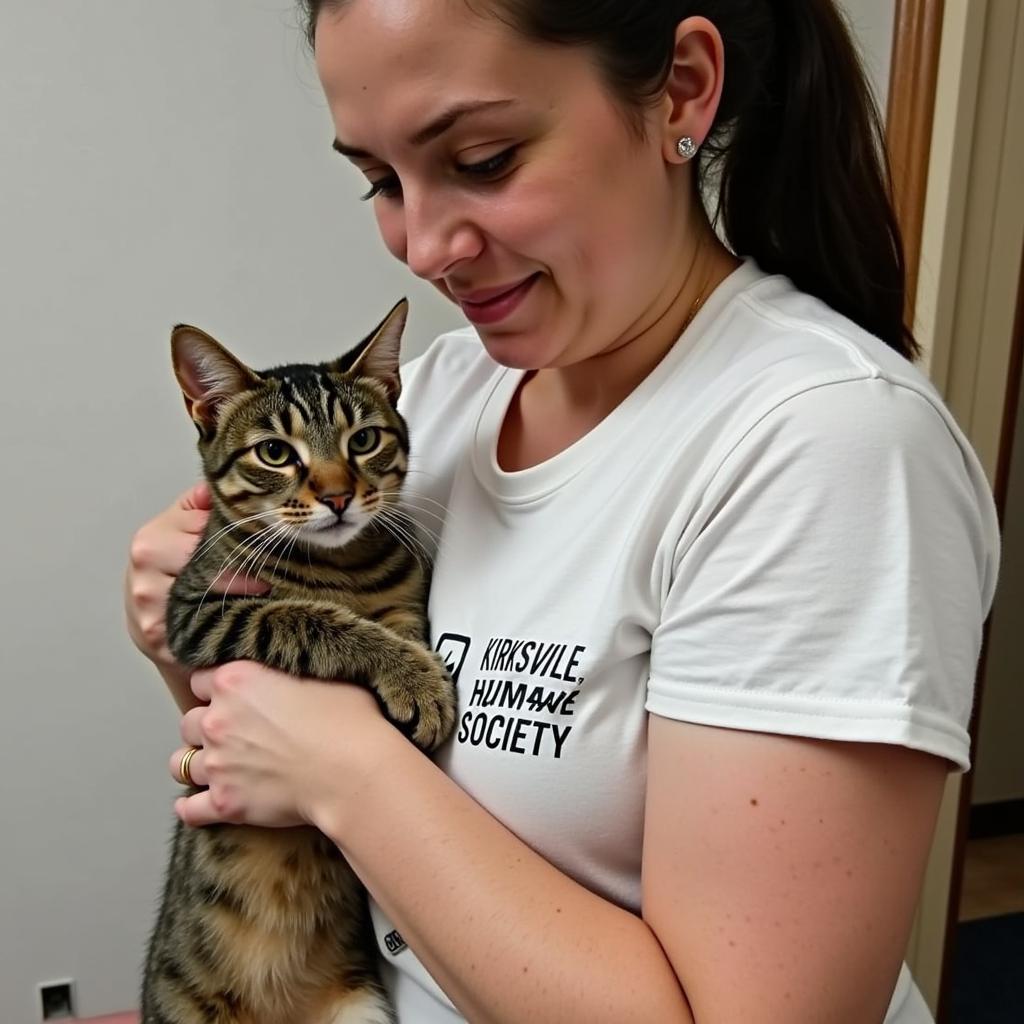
(517, 351)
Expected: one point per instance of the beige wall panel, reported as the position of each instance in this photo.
(974, 227)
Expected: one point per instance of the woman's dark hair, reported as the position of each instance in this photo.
(797, 151)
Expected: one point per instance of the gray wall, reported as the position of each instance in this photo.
(158, 162)
(872, 22)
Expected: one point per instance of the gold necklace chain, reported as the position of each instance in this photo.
(696, 307)
(702, 295)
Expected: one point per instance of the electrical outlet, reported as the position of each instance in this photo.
(57, 999)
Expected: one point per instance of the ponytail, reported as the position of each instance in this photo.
(800, 157)
(797, 151)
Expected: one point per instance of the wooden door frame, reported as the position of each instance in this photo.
(974, 346)
(910, 116)
(911, 113)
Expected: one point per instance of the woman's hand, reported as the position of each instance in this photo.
(159, 551)
(277, 751)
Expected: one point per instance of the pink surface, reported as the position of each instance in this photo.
(117, 1018)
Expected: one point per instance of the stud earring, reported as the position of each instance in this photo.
(687, 148)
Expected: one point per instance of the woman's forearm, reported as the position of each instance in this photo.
(178, 683)
(505, 934)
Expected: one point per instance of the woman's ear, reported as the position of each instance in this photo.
(693, 90)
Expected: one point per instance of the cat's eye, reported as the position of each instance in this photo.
(364, 441)
(275, 453)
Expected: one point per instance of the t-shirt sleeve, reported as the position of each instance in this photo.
(837, 578)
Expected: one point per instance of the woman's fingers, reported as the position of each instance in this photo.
(159, 551)
(166, 543)
(230, 582)
(164, 552)
(195, 767)
(203, 808)
(193, 515)
(198, 497)
(202, 687)
(192, 520)
(192, 726)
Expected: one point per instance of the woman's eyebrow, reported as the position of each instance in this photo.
(431, 131)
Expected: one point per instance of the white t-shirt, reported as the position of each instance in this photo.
(781, 529)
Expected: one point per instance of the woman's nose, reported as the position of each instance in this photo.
(437, 236)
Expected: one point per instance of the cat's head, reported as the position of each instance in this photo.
(316, 450)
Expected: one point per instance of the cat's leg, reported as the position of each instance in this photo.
(325, 641)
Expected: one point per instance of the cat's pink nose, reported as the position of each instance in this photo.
(338, 502)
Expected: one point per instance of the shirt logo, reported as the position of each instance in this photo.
(453, 648)
(394, 943)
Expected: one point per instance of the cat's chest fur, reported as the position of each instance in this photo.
(280, 881)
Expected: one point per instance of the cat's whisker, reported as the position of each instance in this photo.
(410, 499)
(415, 532)
(242, 545)
(274, 532)
(227, 529)
(398, 530)
(287, 550)
(246, 542)
(397, 512)
(251, 559)
(423, 497)
(407, 510)
(416, 471)
(407, 493)
(404, 505)
(239, 522)
(424, 511)
(395, 532)
(285, 537)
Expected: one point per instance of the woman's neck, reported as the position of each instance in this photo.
(554, 407)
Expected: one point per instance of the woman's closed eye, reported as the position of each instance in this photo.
(391, 188)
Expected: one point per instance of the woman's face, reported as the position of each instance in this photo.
(503, 164)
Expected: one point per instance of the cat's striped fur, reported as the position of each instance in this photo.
(305, 463)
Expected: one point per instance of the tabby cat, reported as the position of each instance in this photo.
(305, 462)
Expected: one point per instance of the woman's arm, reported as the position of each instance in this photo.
(177, 681)
(780, 881)
(506, 935)
(780, 875)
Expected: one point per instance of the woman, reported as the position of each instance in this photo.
(700, 502)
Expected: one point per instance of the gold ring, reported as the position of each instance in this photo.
(183, 774)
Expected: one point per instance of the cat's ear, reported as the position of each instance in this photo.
(379, 356)
(208, 374)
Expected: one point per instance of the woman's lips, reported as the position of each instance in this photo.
(497, 303)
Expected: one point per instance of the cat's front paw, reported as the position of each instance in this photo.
(420, 698)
